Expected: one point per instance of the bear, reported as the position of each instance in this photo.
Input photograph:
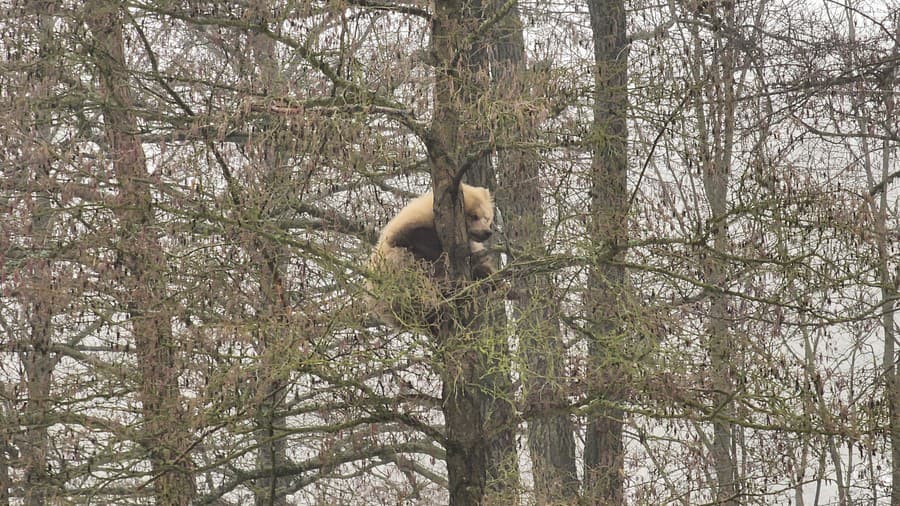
(409, 265)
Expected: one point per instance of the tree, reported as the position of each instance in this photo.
(876, 180)
(166, 438)
(41, 300)
(698, 224)
(463, 364)
(607, 286)
(716, 129)
(536, 310)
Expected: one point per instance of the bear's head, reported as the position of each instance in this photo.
(479, 212)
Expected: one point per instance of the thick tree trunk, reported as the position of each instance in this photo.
(500, 418)
(461, 361)
(165, 435)
(604, 447)
(464, 400)
(482, 459)
(551, 440)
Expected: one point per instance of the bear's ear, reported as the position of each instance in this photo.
(422, 242)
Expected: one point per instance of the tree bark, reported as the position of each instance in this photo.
(604, 447)
(500, 417)
(272, 446)
(551, 441)
(40, 305)
(482, 461)
(267, 149)
(886, 278)
(38, 363)
(715, 153)
(464, 401)
(166, 437)
(461, 361)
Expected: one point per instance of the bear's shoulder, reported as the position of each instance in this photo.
(422, 241)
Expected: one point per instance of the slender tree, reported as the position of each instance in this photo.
(536, 309)
(165, 434)
(607, 286)
(268, 201)
(878, 175)
(714, 109)
(40, 298)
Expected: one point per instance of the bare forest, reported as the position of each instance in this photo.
(698, 219)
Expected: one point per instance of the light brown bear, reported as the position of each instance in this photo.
(409, 264)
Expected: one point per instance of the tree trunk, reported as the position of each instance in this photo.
(267, 148)
(461, 361)
(551, 441)
(500, 418)
(715, 153)
(37, 360)
(464, 401)
(38, 364)
(887, 279)
(272, 335)
(604, 452)
(165, 435)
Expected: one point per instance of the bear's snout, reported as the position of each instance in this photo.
(480, 235)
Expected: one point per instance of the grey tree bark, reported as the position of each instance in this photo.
(551, 441)
(878, 176)
(462, 363)
(716, 124)
(887, 280)
(38, 361)
(165, 434)
(267, 148)
(36, 353)
(607, 282)
(500, 417)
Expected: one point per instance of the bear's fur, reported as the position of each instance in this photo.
(409, 264)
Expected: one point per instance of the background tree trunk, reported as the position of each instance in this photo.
(270, 202)
(41, 297)
(142, 268)
(715, 159)
(607, 287)
(38, 361)
(551, 441)
(878, 172)
(500, 417)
